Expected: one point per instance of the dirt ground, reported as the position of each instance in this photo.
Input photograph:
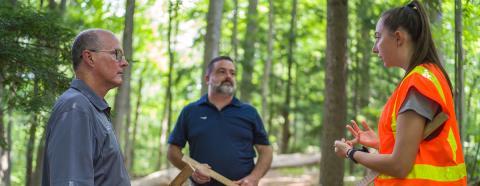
(277, 178)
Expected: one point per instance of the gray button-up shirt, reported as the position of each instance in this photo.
(81, 147)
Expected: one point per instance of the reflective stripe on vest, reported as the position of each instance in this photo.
(435, 173)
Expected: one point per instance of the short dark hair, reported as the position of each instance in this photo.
(413, 18)
(87, 39)
(217, 59)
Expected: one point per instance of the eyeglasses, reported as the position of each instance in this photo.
(119, 56)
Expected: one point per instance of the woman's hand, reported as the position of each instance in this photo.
(341, 148)
(366, 137)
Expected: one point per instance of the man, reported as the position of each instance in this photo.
(81, 147)
(221, 131)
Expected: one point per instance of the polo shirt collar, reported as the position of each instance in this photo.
(204, 100)
(83, 88)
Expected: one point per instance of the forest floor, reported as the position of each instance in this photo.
(290, 178)
(298, 176)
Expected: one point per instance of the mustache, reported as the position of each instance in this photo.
(227, 81)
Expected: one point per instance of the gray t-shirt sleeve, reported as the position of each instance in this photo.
(71, 148)
(420, 104)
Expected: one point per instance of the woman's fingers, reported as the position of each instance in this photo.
(355, 126)
(365, 125)
(354, 133)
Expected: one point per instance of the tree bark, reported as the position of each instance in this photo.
(334, 112)
(246, 85)
(31, 142)
(135, 120)
(212, 37)
(167, 114)
(8, 173)
(235, 30)
(37, 174)
(63, 6)
(459, 73)
(268, 62)
(122, 99)
(286, 134)
(51, 4)
(4, 150)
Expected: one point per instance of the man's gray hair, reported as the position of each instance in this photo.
(87, 39)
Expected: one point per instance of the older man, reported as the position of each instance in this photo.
(81, 147)
(222, 131)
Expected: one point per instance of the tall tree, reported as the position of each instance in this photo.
(334, 112)
(135, 119)
(212, 37)
(286, 134)
(249, 51)
(364, 47)
(122, 99)
(235, 30)
(171, 42)
(8, 172)
(37, 172)
(459, 74)
(51, 4)
(4, 165)
(268, 63)
(34, 122)
(361, 57)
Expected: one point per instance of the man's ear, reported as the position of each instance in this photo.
(88, 58)
(207, 78)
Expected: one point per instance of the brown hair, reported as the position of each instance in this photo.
(215, 60)
(414, 20)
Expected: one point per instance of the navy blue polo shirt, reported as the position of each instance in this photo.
(224, 139)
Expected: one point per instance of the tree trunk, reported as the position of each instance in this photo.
(212, 37)
(246, 85)
(434, 12)
(37, 174)
(8, 173)
(364, 68)
(13, 3)
(268, 62)
(63, 7)
(31, 143)
(235, 30)
(334, 115)
(135, 120)
(51, 4)
(286, 134)
(30, 151)
(459, 74)
(167, 114)
(122, 99)
(4, 151)
(361, 72)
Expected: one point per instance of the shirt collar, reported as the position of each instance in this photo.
(204, 100)
(83, 88)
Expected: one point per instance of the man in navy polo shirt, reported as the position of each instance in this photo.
(221, 131)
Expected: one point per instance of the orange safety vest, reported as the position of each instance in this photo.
(439, 161)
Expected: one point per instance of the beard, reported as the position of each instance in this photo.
(226, 87)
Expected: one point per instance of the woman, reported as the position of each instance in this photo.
(403, 39)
